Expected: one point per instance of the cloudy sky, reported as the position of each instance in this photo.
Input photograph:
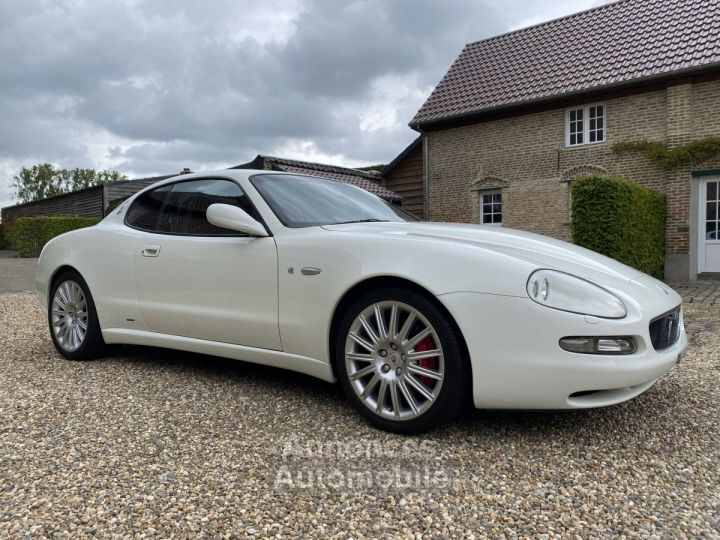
(151, 86)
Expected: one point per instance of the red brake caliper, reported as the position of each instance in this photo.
(430, 363)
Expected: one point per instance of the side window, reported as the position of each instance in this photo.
(145, 211)
(184, 205)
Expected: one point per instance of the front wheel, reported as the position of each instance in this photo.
(72, 318)
(401, 363)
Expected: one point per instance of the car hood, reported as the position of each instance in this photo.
(539, 251)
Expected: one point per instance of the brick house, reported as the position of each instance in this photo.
(518, 116)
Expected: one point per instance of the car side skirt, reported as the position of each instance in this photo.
(267, 357)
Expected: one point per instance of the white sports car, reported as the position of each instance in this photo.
(414, 319)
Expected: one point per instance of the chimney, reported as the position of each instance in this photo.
(185, 171)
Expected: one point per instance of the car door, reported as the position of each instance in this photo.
(200, 281)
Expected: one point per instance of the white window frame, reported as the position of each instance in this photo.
(482, 206)
(703, 241)
(586, 124)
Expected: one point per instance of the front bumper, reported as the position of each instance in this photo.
(518, 364)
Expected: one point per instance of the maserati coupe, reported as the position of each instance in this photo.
(416, 320)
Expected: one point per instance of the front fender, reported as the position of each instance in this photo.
(307, 302)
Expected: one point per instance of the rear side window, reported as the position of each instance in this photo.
(180, 208)
(145, 211)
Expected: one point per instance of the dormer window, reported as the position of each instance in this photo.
(585, 125)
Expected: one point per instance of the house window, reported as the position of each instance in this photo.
(491, 208)
(585, 125)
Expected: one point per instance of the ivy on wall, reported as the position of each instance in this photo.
(689, 154)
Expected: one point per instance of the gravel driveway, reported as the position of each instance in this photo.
(152, 442)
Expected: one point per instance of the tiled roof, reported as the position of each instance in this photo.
(365, 180)
(614, 44)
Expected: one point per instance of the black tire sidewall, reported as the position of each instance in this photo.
(93, 344)
(456, 382)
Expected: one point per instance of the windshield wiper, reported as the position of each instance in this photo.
(368, 220)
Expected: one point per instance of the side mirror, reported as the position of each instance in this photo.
(231, 217)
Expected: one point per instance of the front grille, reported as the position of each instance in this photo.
(665, 330)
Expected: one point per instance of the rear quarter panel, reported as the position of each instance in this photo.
(104, 257)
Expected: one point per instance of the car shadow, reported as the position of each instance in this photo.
(653, 414)
(208, 366)
(618, 423)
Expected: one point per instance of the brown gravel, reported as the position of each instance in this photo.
(153, 442)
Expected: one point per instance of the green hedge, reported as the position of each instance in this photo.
(30, 234)
(2, 236)
(620, 219)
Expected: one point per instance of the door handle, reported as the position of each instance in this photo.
(151, 251)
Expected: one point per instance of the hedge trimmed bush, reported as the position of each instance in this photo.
(30, 234)
(2, 236)
(620, 219)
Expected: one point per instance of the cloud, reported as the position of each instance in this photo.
(152, 86)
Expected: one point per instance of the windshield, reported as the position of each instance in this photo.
(305, 201)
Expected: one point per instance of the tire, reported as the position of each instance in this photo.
(69, 294)
(433, 372)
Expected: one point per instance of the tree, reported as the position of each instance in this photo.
(45, 180)
(38, 182)
(84, 178)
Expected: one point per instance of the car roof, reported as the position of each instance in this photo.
(237, 174)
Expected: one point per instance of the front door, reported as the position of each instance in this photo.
(199, 281)
(709, 231)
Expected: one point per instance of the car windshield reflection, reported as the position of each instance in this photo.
(304, 201)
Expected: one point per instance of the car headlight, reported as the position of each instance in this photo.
(566, 292)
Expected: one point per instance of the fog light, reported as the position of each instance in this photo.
(599, 345)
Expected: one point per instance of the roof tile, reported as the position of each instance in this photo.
(614, 43)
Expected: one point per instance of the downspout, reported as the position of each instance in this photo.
(426, 177)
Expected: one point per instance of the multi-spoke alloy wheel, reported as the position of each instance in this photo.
(72, 318)
(69, 315)
(401, 360)
(394, 360)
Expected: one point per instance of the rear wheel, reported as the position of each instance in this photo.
(400, 361)
(72, 318)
